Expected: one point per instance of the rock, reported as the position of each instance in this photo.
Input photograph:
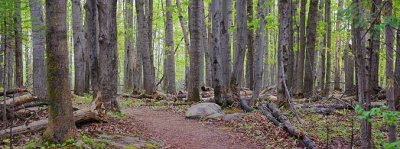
(233, 116)
(204, 110)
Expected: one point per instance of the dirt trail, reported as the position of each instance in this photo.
(178, 132)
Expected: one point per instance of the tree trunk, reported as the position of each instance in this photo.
(250, 47)
(38, 45)
(283, 47)
(169, 65)
(240, 48)
(92, 43)
(79, 86)
(195, 42)
(149, 20)
(311, 35)
(389, 41)
(375, 43)
(298, 84)
(204, 48)
(130, 56)
(60, 124)
(209, 52)
(226, 24)
(337, 50)
(186, 38)
(362, 73)
(216, 52)
(19, 79)
(108, 54)
(397, 73)
(258, 58)
(143, 39)
(328, 47)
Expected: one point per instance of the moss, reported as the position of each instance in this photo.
(131, 147)
(151, 146)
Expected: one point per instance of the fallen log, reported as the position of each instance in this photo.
(328, 106)
(81, 117)
(308, 143)
(13, 91)
(267, 113)
(245, 106)
(324, 111)
(19, 100)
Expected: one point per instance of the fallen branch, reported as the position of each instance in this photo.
(13, 91)
(308, 143)
(81, 117)
(267, 113)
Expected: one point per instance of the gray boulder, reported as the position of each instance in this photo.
(204, 110)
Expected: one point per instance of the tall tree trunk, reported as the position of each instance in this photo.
(108, 54)
(311, 35)
(79, 86)
(19, 79)
(338, 48)
(186, 38)
(130, 56)
(240, 48)
(397, 73)
(258, 59)
(169, 65)
(38, 45)
(298, 84)
(266, 65)
(363, 84)
(250, 47)
(204, 40)
(138, 62)
(349, 69)
(321, 61)
(375, 42)
(9, 59)
(28, 67)
(208, 52)
(149, 20)
(195, 42)
(143, 40)
(283, 47)
(61, 124)
(328, 47)
(92, 43)
(226, 24)
(389, 41)
(216, 51)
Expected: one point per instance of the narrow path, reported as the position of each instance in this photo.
(178, 132)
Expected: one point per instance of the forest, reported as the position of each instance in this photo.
(214, 74)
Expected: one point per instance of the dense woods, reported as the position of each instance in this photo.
(326, 71)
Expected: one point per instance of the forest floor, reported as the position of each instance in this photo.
(147, 123)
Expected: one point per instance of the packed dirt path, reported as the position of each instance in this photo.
(177, 132)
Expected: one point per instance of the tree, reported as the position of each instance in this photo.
(362, 68)
(397, 73)
(216, 52)
(143, 44)
(311, 35)
(240, 49)
(250, 47)
(92, 43)
(184, 27)
(258, 57)
(130, 55)
(328, 47)
(169, 62)
(298, 84)
(226, 24)
(390, 95)
(61, 125)
(338, 48)
(19, 79)
(375, 42)
(78, 37)
(195, 41)
(283, 46)
(108, 64)
(38, 45)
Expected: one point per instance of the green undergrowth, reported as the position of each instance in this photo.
(82, 141)
(82, 101)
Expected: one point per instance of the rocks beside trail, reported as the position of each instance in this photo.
(204, 110)
(233, 116)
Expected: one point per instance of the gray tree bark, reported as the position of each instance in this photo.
(130, 56)
(328, 47)
(298, 84)
(283, 46)
(38, 48)
(338, 48)
(216, 52)
(397, 73)
(226, 24)
(240, 49)
(250, 48)
(375, 42)
(169, 63)
(204, 39)
(195, 42)
(311, 35)
(61, 124)
(258, 57)
(78, 37)
(184, 27)
(108, 54)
